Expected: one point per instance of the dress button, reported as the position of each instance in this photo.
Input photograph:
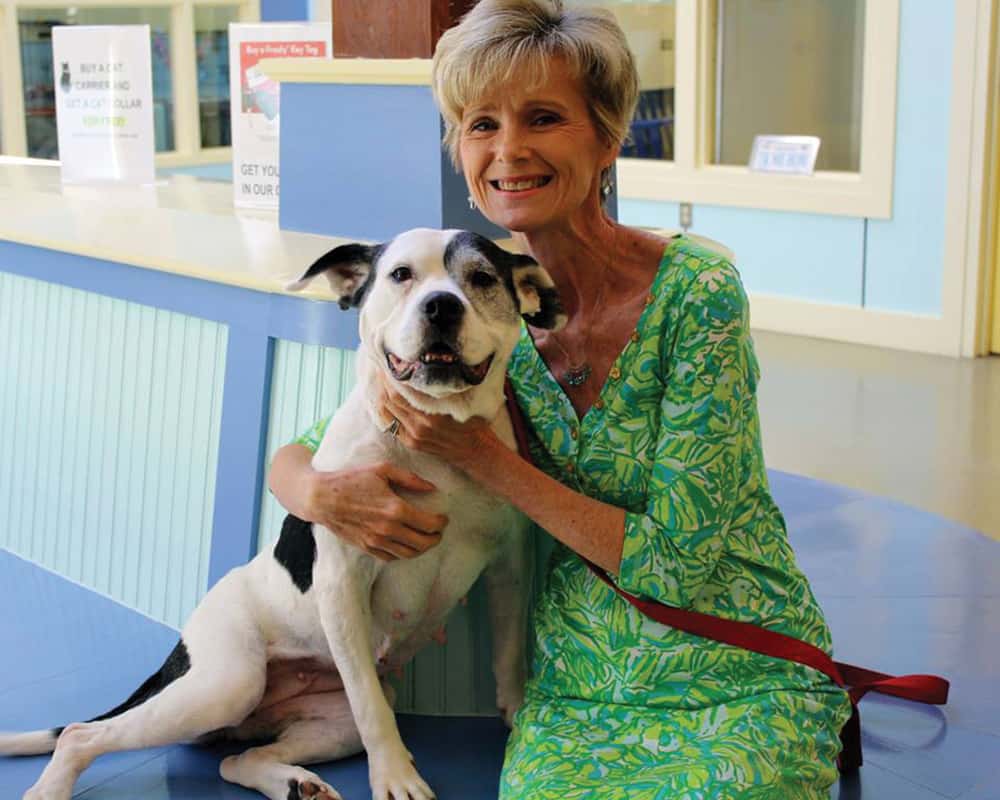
(599, 404)
(615, 373)
(573, 433)
(635, 336)
(649, 298)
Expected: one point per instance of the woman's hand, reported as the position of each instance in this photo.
(359, 504)
(461, 444)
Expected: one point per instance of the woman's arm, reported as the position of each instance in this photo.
(359, 504)
(593, 529)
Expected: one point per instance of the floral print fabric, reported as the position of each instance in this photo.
(619, 705)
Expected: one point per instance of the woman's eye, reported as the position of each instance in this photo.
(401, 274)
(481, 125)
(482, 280)
(545, 119)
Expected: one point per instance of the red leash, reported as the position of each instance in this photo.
(858, 681)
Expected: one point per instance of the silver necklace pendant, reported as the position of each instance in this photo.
(577, 376)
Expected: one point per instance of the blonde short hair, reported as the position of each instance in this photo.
(499, 39)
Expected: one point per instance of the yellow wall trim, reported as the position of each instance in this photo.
(368, 71)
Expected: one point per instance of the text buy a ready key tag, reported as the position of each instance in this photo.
(255, 102)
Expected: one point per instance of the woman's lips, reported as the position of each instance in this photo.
(520, 184)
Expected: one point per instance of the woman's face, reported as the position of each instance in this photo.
(532, 157)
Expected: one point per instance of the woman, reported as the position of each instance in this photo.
(645, 432)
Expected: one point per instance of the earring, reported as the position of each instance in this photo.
(606, 185)
(472, 203)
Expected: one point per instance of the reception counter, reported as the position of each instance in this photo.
(150, 363)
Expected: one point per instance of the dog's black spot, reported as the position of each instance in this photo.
(296, 551)
(57, 732)
(496, 255)
(506, 265)
(176, 665)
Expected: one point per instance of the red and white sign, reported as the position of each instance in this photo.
(255, 102)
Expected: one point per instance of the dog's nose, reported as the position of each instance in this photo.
(442, 309)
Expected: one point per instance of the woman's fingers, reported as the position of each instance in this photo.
(399, 543)
(404, 479)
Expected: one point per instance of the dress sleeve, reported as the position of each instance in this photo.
(710, 371)
(312, 437)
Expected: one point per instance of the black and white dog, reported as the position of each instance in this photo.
(439, 316)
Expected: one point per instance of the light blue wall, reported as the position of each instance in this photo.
(892, 264)
(905, 254)
(284, 10)
(770, 250)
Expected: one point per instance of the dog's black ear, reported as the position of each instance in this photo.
(349, 269)
(536, 294)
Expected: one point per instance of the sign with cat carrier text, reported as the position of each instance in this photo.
(104, 103)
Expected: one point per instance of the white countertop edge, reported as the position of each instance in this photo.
(317, 291)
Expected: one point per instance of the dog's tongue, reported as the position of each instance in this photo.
(482, 368)
(397, 363)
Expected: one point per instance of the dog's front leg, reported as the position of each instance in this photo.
(344, 597)
(508, 585)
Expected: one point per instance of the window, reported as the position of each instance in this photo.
(649, 28)
(747, 67)
(789, 69)
(35, 35)
(211, 42)
(189, 45)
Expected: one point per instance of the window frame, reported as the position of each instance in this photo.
(187, 135)
(692, 177)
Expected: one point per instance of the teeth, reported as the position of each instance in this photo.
(520, 186)
(446, 358)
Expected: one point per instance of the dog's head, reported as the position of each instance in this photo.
(440, 309)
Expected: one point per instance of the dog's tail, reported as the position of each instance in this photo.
(29, 744)
(39, 742)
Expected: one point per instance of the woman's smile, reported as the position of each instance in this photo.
(520, 184)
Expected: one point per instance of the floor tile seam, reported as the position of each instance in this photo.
(146, 616)
(161, 753)
(973, 729)
(90, 669)
(909, 779)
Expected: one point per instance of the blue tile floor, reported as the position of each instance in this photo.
(904, 591)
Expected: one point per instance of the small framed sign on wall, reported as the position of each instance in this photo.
(794, 155)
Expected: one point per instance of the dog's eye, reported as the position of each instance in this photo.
(401, 274)
(481, 279)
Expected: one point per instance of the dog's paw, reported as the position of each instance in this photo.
(397, 779)
(311, 788)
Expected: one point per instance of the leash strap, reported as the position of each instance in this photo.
(858, 681)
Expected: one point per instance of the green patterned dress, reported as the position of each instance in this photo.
(619, 706)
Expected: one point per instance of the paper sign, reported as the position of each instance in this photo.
(104, 103)
(255, 102)
(788, 154)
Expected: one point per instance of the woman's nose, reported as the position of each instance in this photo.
(511, 144)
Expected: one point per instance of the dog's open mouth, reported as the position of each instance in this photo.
(441, 364)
